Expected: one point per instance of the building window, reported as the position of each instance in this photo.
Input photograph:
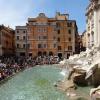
(44, 37)
(24, 46)
(92, 23)
(55, 45)
(68, 55)
(28, 46)
(22, 54)
(6, 43)
(54, 38)
(44, 53)
(45, 30)
(88, 27)
(30, 54)
(24, 37)
(69, 47)
(58, 25)
(92, 38)
(39, 30)
(17, 37)
(69, 31)
(88, 40)
(69, 24)
(50, 53)
(59, 47)
(24, 31)
(42, 30)
(39, 37)
(45, 46)
(17, 45)
(39, 53)
(58, 39)
(69, 39)
(58, 31)
(39, 45)
(17, 31)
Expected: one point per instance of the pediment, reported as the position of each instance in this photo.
(42, 18)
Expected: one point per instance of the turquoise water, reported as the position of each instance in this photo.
(33, 84)
(37, 84)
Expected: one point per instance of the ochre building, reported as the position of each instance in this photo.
(7, 44)
(51, 36)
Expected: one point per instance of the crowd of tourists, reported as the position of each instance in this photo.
(11, 65)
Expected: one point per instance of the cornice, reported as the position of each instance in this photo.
(92, 6)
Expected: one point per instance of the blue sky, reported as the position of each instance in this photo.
(16, 12)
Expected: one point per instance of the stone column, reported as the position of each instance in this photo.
(90, 37)
(87, 40)
(95, 28)
(98, 23)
